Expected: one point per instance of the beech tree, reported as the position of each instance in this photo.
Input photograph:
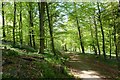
(102, 31)
(41, 7)
(79, 27)
(20, 26)
(79, 31)
(50, 29)
(14, 23)
(3, 20)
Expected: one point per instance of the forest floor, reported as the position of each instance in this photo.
(22, 63)
(88, 67)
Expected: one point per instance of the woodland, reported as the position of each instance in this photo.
(54, 40)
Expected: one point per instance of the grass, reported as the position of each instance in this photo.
(25, 62)
(20, 64)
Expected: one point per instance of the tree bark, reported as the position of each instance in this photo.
(3, 21)
(110, 43)
(79, 31)
(32, 39)
(50, 30)
(14, 23)
(114, 32)
(41, 7)
(20, 25)
(115, 42)
(118, 43)
(101, 26)
(93, 42)
(118, 32)
(30, 24)
(80, 37)
(96, 35)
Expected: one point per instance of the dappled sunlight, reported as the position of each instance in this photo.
(79, 69)
(85, 74)
(76, 40)
(90, 74)
(74, 57)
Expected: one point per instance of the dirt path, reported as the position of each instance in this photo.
(82, 70)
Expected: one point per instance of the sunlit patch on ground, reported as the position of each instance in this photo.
(79, 69)
(85, 74)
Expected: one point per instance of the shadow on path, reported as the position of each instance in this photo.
(80, 69)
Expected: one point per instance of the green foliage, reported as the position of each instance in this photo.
(25, 47)
(63, 20)
(72, 24)
(45, 68)
(49, 71)
(9, 52)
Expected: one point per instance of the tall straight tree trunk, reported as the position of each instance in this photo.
(110, 42)
(32, 39)
(118, 43)
(33, 36)
(80, 37)
(115, 42)
(20, 25)
(115, 32)
(103, 37)
(79, 31)
(50, 30)
(96, 35)
(30, 24)
(3, 21)
(118, 32)
(93, 45)
(41, 7)
(14, 23)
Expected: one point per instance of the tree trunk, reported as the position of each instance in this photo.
(65, 47)
(20, 25)
(118, 32)
(50, 30)
(14, 23)
(115, 32)
(103, 37)
(115, 42)
(80, 37)
(118, 43)
(41, 25)
(32, 39)
(3, 21)
(30, 24)
(79, 31)
(96, 35)
(110, 42)
(93, 42)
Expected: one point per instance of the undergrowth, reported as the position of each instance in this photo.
(17, 63)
